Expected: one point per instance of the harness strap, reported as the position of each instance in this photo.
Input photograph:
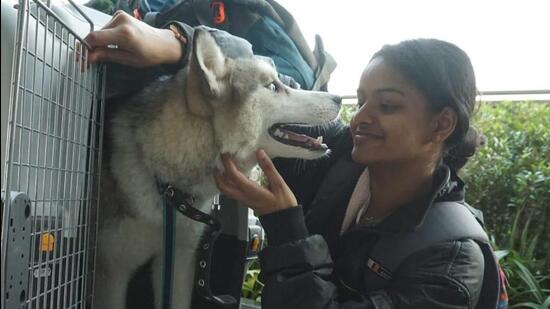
(168, 258)
(173, 198)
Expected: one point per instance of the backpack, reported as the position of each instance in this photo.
(445, 221)
(269, 27)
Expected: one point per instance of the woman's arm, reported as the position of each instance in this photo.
(297, 268)
(138, 53)
(128, 41)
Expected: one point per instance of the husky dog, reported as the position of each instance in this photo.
(174, 131)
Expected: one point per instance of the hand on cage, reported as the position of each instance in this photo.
(126, 40)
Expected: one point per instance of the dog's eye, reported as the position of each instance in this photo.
(272, 86)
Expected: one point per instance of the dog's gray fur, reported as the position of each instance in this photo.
(175, 131)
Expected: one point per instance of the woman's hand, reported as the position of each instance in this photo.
(126, 40)
(263, 201)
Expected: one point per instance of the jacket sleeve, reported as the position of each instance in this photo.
(297, 268)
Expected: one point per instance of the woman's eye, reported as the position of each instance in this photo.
(388, 108)
(272, 87)
(360, 102)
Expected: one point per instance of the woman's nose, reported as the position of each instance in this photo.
(364, 114)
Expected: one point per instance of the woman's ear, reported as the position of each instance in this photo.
(443, 124)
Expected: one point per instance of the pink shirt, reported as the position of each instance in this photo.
(358, 203)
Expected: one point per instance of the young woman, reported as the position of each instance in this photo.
(397, 159)
(400, 155)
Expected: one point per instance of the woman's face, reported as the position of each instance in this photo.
(393, 123)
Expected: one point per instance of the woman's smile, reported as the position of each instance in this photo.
(363, 135)
(364, 130)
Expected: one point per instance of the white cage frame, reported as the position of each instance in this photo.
(53, 160)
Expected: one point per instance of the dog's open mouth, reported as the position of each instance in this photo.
(283, 133)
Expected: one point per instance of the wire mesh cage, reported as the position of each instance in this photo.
(51, 175)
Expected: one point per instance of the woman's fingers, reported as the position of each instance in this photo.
(118, 18)
(263, 201)
(233, 172)
(227, 187)
(250, 189)
(103, 38)
(115, 20)
(273, 177)
(277, 184)
(145, 45)
(111, 55)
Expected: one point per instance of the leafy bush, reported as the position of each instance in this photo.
(347, 112)
(526, 290)
(252, 286)
(509, 179)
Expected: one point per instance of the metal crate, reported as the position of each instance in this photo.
(51, 174)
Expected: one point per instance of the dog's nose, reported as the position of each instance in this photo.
(337, 99)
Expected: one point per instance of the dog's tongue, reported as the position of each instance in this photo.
(302, 138)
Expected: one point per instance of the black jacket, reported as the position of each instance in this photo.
(308, 264)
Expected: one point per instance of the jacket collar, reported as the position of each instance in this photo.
(447, 187)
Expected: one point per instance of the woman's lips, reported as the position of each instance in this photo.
(360, 137)
(362, 131)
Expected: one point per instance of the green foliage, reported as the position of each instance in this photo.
(526, 289)
(509, 180)
(252, 286)
(347, 112)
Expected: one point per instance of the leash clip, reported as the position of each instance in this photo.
(169, 191)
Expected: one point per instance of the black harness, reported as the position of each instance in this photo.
(172, 198)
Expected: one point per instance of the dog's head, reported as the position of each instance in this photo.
(250, 107)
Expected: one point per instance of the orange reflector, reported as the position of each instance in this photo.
(219, 12)
(47, 242)
(255, 244)
(137, 14)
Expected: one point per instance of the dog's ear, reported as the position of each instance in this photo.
(209, 61)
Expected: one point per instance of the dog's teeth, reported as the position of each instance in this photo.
(278, 133)
(319, 139)
(285, 136)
